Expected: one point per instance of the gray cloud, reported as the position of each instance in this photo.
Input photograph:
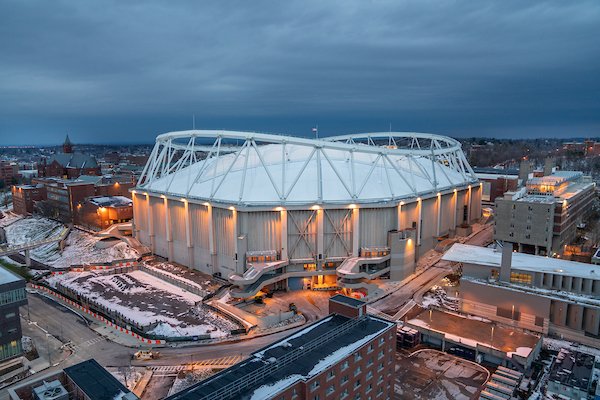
(134, 68)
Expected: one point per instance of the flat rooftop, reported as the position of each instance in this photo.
(526, 262)
(297, 357)
(470, 332)
(573, 369)
(111, 201)
(7, 276)
(96, 382)
(349, 301)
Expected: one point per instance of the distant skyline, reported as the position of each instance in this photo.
(123, 72)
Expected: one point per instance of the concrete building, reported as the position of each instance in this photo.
(543, 217)
(347, 355)
(12, 296)
(68, 164)
(292, 212)
(100, 212)
(571, 375)
(540, 294)
(87, 380)
(25, 196)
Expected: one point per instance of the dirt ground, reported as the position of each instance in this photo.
(430, 374)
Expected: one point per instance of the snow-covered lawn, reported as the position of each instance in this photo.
(80, 247)
(146, 300)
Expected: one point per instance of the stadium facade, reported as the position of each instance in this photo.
(282, 212)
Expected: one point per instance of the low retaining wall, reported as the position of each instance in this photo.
(118, 320)
(96, 315)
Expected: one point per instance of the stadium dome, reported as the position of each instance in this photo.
(272, 212)
(272, 170)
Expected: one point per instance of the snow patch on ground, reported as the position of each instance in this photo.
(80, 247)
(146, 300)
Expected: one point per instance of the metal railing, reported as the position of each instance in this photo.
(259, 374)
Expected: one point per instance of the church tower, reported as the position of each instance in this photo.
(67, 145)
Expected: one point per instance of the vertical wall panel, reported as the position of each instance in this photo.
(262, 229)
(337, 236)
(302, 234)
(375, 224)
(158, 218)
(224, 235)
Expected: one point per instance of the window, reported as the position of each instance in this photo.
(380, 367)
(370, 349)
(357, 384)
(381, 340)
(315, 385)
(357, 357)
(345, 379)
(344, 394)
(330, 389)
(380, 355)
(12, 330)
(330, 375)
(316, 397)
(369, 388)
(369, 375)
(345, 365)
(357, 371)
(518, 277)
(10, 315)
(370, 362)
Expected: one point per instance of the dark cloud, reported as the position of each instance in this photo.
(124, 71)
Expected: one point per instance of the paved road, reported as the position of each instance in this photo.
(428, 276)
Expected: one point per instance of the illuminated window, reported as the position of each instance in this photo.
(518, 277)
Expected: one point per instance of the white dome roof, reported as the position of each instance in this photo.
(300, 171)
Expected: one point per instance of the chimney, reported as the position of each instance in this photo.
(524, 170)
(548, 166)
(506, 262)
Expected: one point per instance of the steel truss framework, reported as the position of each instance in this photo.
(402, 156)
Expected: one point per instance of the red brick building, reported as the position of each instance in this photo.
(347, 355)
(68, 164)
(25, 196)
(9, 172)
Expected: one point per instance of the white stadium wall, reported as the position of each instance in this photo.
(213, 235)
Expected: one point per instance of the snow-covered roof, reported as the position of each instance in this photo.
(8, 277)
(527, 262)
(272, 169)
(111, 201)
(309, 349)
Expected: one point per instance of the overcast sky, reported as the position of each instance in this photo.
(107, 71)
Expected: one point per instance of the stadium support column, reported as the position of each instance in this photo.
(211, 237)
(455, 201)
(355, 231)
(283, 233)
(133, 226)
(469, 205)
(188, 234)
(150, 224)
(168, 228)
(420, 207)
(399, 216)
(320, 237)
(234, 228)
(439, 214)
